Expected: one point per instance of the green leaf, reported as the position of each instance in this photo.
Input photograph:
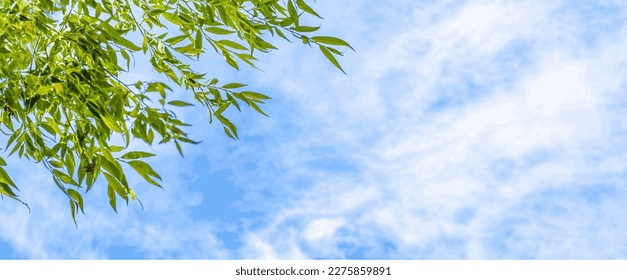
(116, 149)
(255, 107)
(178, 148)
(70, 164)
(56, 164)
(189, 50)
(117, 186)
(73, 209)
(233, 85)
(187, 140)
(219, 31)
(229, 127)
(221, 109)
(110, 123)
(127, 44)
(303, 28)
(198, 40)
(173, 18)
(136, 155)
(112, 197)
(76, 196)
(233, 45)
(180, 103)
(126, 57)
(303, 6)
(331, 41)
(6, 190)
(64, 177)
(176, 39)
(145, 171)
(229, 59)
(331, 58)
(292, 12)
(109, 164)
(255, 95)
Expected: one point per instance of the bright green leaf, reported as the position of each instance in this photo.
(136, 155)
(331, 58)
(330, 41)
(233, 85)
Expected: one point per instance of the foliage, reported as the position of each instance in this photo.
(62, 97)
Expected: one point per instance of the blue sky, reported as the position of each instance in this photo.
(463, 130)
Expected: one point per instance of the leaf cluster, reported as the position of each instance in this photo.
(62, 99)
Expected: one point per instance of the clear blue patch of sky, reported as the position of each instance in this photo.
(124, 252)
(6, 251)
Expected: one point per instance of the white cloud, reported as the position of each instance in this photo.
(322, 228)
(435, 182)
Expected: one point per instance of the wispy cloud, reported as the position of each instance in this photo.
(449, 124)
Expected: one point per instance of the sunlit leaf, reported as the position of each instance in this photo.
(219, 31)
(136, 155)
(76, 196)
(303, 6)
(331, 58)
(233, 85)
(330, 41)
(145, 171)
